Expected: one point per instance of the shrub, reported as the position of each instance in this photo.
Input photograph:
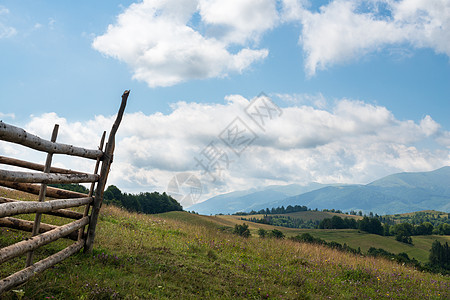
(242, 230)
(403, 237)
(262, 233)
(277, 234)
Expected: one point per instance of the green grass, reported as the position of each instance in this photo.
(186, 256)
(354, 238)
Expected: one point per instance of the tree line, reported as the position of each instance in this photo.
(148, 203)
(274, 211)
(284, 221)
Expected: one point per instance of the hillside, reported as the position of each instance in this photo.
(352, 237)
(187, 256)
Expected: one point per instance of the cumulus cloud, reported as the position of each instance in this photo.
(167, 42)
(154, 38)
(344, 30)
(350, 141)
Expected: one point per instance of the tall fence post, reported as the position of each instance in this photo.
(106, 164)
(37, 219)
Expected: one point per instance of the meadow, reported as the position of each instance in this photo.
(187, 256)
(352, 237)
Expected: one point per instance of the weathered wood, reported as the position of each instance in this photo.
(43, 189)
(37, 241)
(106, 165)
(25, 225)
(25, 274)
(65, 213)
(33, 166)
(92, 189)
(17, 135)
(47, 178)
(27, 207)
(34, 189)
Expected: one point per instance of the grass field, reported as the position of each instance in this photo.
(352, 237)
(187, 256)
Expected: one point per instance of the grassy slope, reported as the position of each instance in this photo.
(180, 255)
(353, 238)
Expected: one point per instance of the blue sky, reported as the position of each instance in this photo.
(374, 73)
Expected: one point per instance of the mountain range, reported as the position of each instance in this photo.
(397, 193)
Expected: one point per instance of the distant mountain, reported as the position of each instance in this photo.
(251, 199)
(398, 193)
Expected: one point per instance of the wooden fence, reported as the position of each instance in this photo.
(61, 200)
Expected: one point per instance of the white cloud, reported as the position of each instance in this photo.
(345, 30)
(5, 30)
(8, 116)
(3, 10)
(238, 21)
(351, 142)
(317, 100)
(154, 39)
(167, 42)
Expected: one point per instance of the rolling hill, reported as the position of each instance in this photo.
(178, 255)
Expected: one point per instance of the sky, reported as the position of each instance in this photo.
(232, 95)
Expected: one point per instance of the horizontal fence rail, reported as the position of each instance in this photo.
(33, 166)
(17, 135)
(47, 178)
(34, 242)
(35, 188)
(26, 207)
(25, 225)
(25, 274)
(65, 213)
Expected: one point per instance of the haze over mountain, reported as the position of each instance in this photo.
(250, 199)
(397, 193)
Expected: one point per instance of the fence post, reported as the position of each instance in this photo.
(91, 190)
(106, 164)
(37, 219)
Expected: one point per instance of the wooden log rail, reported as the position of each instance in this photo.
(25, 225)
(35, 188)
(33, 166)
(17, 135)
(47, 178)
(26, 207)
(36, 183)
(65, 213)
(34, 242)
(25, 274)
